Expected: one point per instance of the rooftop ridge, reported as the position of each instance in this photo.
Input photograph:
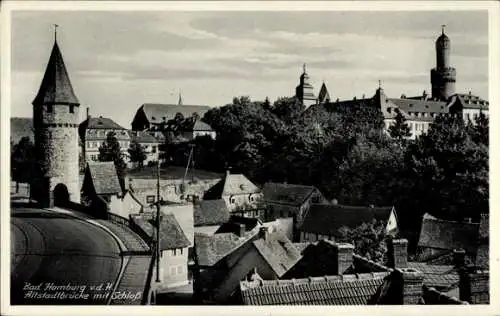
(372, 263)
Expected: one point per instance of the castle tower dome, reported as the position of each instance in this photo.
(443, 76)
(55, 122)
(443, 46)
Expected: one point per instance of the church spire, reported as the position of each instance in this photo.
(180, 98)
(56, 87)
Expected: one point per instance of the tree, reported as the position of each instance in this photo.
(368, 239)
(288, 108)
(400, 129)
(111, 151)
(447, 173)
(136, 154)
(22, 161)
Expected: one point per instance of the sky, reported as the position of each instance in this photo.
(120, 60)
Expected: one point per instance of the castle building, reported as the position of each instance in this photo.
(420, 111)
(55, 123)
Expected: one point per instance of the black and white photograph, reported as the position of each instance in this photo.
(247, 157)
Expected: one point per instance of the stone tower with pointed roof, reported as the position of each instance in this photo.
(323, 96)
(305, 91)
(55, 122)
(443, 77)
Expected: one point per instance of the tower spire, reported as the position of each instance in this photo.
(379, 84)
(55, 32)
(180, 98)
(442, 28)
(304, 67)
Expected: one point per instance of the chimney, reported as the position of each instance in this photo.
(343, 257)
(242, 230)
(397, 253)
(88, 112)
(474, 285)
(409, 283)
(263, 233)
(459, 258)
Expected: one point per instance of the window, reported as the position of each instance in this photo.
(150, 199)
(232, 200)
(172, 270)
(174, 252)
(179, 269)
(89, 144)
(95, 144)
(153, 149)
(71, 109)
(50, 108)
(181, 250)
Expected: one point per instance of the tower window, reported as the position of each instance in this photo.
(71, 109)
(49, 108)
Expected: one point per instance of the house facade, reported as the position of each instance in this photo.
(242, 197)
(93, 133)
(150, 145)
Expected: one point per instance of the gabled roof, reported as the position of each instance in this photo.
(210, 249)
(100, 123)
(104, 177)
(356, 289)
(210, 212)
(156, 112)
(56, 87)
(21, 127)
(231, 184)
(234, 222)
(326, 219)
(199, 125)
(323, 94)
(142, 137)
(443, 277)
(284, 193)
(171, 234)
(278, 251)
(448, 235)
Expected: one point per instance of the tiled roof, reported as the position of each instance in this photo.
(210, 249)
(104, 177)
(21, 127)
(355, 289)
(231, 184)
(210, 212)
(142, 137)
(199, 125)
(56, 87)
(421, 106)
(441, 234)
(469, 101)
(101, 123)
(293, 194)
(156, 112)
(438, 276)
(326, 219)
(278, 251)
(171, 234)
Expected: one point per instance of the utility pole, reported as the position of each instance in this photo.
(158, 222)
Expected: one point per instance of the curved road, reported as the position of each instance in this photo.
(57, 259)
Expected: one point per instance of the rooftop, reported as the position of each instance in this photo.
(327, 219)
(293, 194)
(171, 233)
(231, 184)
(210, 212)
(355, 289)
(104, 177)
(157, 113)
(56, 87)
(448, 235)
(278, 251)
